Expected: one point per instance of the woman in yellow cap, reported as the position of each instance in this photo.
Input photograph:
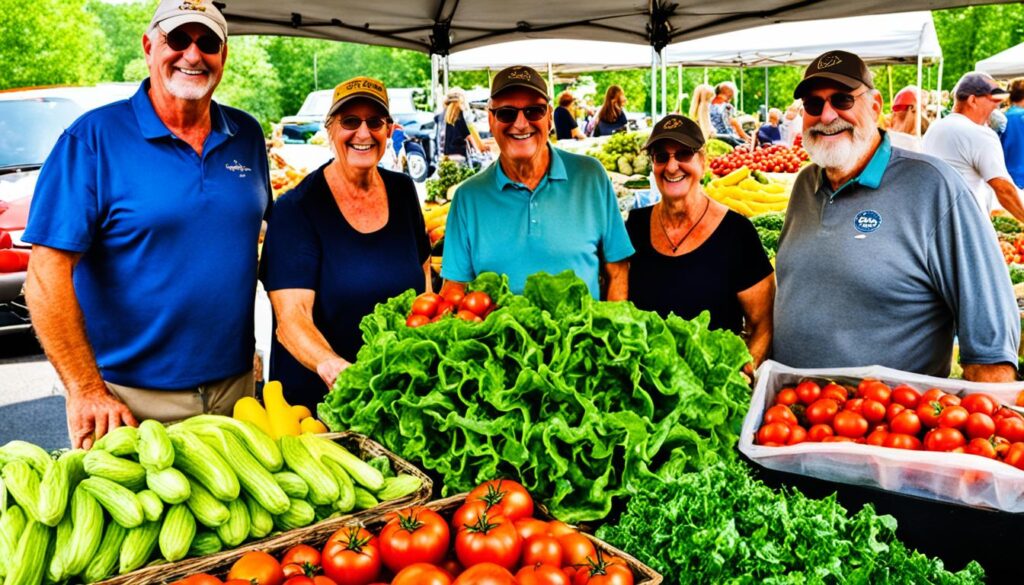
(349, 236)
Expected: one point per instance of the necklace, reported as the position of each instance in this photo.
(675, 245)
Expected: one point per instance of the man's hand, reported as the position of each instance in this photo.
(329, 369)
(94, 415)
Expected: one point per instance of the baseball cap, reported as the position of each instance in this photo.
(978, 84)
(905, 98)
(519, 76)
(359, 87)
(170, 14)
(841, 67)
(679, 129)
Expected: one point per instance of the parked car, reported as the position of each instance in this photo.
(31, 121)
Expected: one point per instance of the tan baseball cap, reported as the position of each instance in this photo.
(170, 14)
(359, 87)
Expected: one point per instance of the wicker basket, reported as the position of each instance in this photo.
(219, 562)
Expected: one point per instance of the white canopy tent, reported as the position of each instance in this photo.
(1005, 65)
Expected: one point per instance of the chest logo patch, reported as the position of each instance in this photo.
(867, 221)
(239, 168)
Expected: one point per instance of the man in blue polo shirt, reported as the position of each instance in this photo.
(145, 223)
(885, 255)
(537, 208)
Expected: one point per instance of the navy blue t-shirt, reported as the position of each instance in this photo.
(605, 129)
(455, 136)
(564, 123)
(310, 245)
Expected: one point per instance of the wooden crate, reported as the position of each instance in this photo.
(359, 445)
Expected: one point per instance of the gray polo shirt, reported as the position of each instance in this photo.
(888, 269)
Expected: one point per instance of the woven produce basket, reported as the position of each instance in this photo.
(360, 445)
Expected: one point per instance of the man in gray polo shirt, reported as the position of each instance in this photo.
(884, 256)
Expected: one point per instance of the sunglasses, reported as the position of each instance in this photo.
(682, 155)
(354, 122)
(815, 105)
(508, 114)
(179, 40)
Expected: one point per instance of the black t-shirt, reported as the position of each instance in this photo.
(310, 245)
(564, 123)
(455, 136)
(730, 261)
(607, 129)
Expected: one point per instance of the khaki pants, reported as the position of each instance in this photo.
(173, 405)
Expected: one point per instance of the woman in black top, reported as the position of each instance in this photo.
(456, 130)
(566, 127)
(611, 117)
(694, 254)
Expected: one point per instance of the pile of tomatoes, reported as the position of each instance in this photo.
(899, 417)
(495, 534)
(1013, 251)
(770, 159)
(431, 307)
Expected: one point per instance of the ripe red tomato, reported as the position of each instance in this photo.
(797, 434)
(478, 302)
(469, 316)
(415, 320)
(416, 535)
(780, 413)
(558, 529)
(509, 498)
(444, 308)
(928, 412)
(808, 391)
(543, 574)
(835, 392)
(493, 539)
(775, 433)
(576, 549)
(944, 439)
(981, 447)
(878, 391)
(931, 395)
(1004, 412)
(819, 433)
(980, 402)
(468, 514)
(301, 580)
(352, 556)
(422, 574)
(454, 295)
(906, 422)
(303, 555)
(850, 424)
(787, 396)
(604, 571)
(902, 441)
(527, 527)
(872, 410)
(199, 579)
(949, 400)
(258, 567)
(854, 405)
(1015, 455)
(822, 411)
(953, 417)
(426, 304)
(541, 549)
(894, 409)
(877, 437)
(485, 574)
(1010, 427)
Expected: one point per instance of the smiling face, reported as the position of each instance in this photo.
(188, 74)
(360, 149)
(838, 139)
(676, 179)
(522, 140)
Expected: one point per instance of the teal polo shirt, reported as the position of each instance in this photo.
(570, 221)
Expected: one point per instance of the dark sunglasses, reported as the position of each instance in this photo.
(508, 114)
(682, 155)
(179, 40)
(815, 105)
(354, 122)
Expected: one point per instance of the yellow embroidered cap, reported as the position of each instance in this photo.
(359, 87)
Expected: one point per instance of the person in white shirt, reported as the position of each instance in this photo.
(965, 141)
(792, 124)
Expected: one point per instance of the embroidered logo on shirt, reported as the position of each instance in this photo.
(867, 221)
(239, 168)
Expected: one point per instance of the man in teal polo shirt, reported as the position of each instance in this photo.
(537, 208)
(884, 256)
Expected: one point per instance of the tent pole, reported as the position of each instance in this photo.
(551, 82)
(664, 87)
(766, 106)
(679, 89)
(433, 82)
(654, 85)
(888, 71)
(444, 73)
(938, 91)
(920, 96)
(741, 90)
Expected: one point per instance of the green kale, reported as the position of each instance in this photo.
(772, 220)
(1016, 273)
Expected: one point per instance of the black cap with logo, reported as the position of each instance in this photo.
(679, 129)
(842, 67)
(519, 76)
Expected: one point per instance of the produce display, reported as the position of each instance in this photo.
(578, 400)
(770, 159)
(901, 418)
(283, 176)
(748, 192)
(715, 147)
(623, 153)
(431, 308)
(492, 537)
(769, 229)
(187, 490)
(719, 525)
(435, 216)
(449, 174)
(277, 418)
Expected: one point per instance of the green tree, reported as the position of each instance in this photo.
(48, 42)
(123, 26)
(970, 34)
(250, 80)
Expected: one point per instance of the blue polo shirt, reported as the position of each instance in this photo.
(167, 276)
(571, 220)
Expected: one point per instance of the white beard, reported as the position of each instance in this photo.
(184, 90)
(842, 155)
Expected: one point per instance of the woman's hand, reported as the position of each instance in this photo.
(329, 369)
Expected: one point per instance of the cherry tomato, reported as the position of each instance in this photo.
(416, 535)
(541, 549)
(780, 413)
(850, 424)
(872, 410)
(980, 402)
(352, 556)
(808, 391)
(776, 433)
(415, 320)
(797, 434)
(542, 574)
(953, 417)
(508, 497)
(906, 396)
(485, 574)
(1010, 427)
(929, 413)
(907, 423)
(422, 574)
(478, 302)
(821, 411)
(787, 397)
(819, 433)
(493, 539)
(944, 439)
(981, 447)
(258, 567)
(980, 426)
(902, 441)
(426, 304)
(835, 392)
(576, 549)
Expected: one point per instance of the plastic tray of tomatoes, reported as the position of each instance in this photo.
(493, 535)
(853, 426)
